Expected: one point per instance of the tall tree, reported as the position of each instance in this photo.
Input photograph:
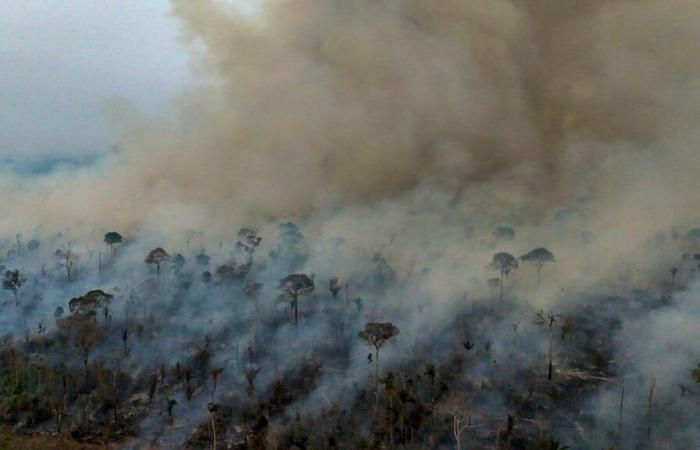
(504, 263)
(377, 334)
(538, 258)
(112, 238)
(548, 321)
(294, 286)
(157, 256)
(68, 258)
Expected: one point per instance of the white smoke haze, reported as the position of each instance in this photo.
(411, 129)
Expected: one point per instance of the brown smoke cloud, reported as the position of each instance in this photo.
(313, 105)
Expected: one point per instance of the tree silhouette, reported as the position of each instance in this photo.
(249, 241)
(377, 334)
(171, 404)
(157, 256)
(88, 304)
(504, 263)
(112, 238)
(294, 286)
(538, 257)
(334, 286)
(177, 262)
(13, 280)
(674, 272)
(548, 321)
(68, 258)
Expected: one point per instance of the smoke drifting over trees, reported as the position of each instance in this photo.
(383, 162)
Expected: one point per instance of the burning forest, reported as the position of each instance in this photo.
(409, 224)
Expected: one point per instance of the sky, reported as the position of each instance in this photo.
(63, 63)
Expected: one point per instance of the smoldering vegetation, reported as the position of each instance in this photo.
(280, 339)
(398, 224)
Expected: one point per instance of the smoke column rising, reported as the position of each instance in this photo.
(312, 104)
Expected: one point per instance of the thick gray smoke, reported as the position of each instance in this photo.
(313, 104)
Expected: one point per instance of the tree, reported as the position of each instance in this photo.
(290, 245)
(504, 263)
(213, 408)
(334, 286)
(84, 333)
(89, 304)
(202, 259)
(33, 245)
(251, 372)
(112, 238)
(249, 241)
(125, 338)
(177, 262)
(294, 286)
(171, 404)
(538, 257)
(377, 334)
(13, 280)
(456, 406)
(431, 373)
(157, 256)
(547, 321)
(68, 258)
(650, 400)
(215, 373)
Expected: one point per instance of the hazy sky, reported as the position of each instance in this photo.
(62, 61)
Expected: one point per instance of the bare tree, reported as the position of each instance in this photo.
(215, 373)
(157, 256)
(548, 321)
(504, 263)
(68, 258)
(213, 409)
(456, 406)
(249, 241)
(294, 286)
